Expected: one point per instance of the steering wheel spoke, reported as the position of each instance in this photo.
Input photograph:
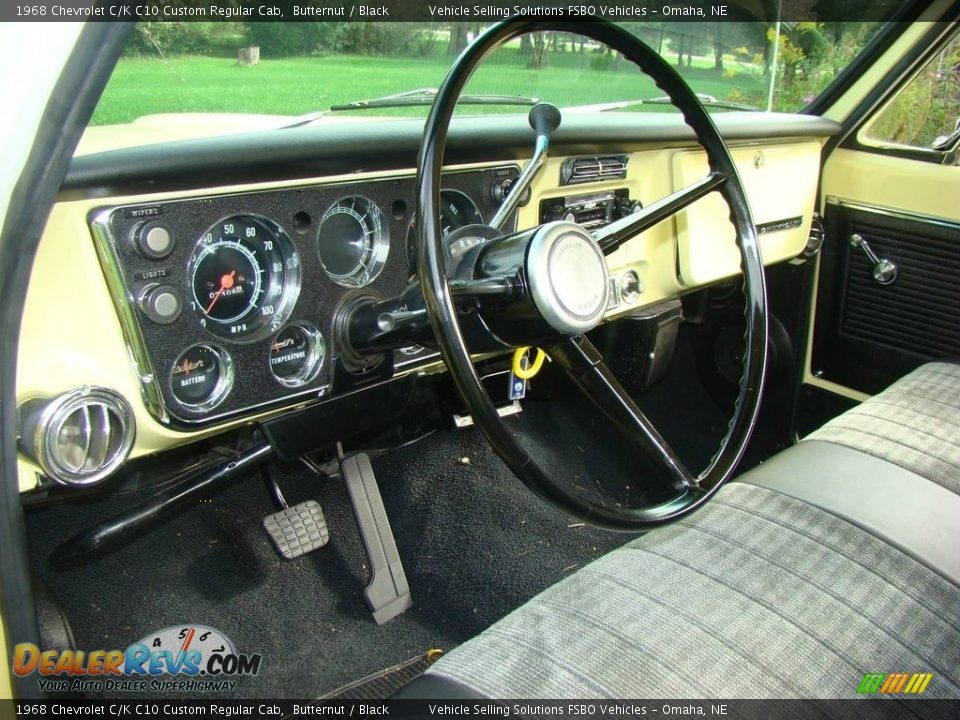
(584, 365)
(612, 236)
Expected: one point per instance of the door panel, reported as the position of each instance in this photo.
(864, 334)
(867, 334)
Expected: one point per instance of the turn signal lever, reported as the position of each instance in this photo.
(544, 119)
(365, 327)
(373, 327)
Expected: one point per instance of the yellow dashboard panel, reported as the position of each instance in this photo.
(72, 334)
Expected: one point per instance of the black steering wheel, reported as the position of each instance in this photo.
(549, 285)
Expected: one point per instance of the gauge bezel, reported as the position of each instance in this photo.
(153, 348)
(411, 242)
(224, 382)
(376, 252)
(290, 283)
(462, 196)
(316, 354)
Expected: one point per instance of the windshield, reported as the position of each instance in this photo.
(297, 69)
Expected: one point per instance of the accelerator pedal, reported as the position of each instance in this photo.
(388, 593)
(297, 530)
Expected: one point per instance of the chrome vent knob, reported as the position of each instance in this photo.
(80, 437)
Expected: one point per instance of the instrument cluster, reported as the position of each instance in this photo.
(228, 302)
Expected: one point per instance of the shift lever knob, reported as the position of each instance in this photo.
(544, 118)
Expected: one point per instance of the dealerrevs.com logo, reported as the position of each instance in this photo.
(181, 658)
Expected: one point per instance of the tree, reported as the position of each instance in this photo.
(538, 56)
(458, 38)
(718, 47)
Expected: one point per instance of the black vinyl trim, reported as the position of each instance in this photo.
(343, 148)
(66, 115)
(869, 335)
(433, 686)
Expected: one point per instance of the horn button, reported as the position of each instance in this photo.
(568, 277)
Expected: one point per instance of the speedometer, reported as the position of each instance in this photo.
(245, 277)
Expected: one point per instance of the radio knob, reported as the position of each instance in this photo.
(624, 207)
(161, 303)
(154, 240)
(561, 212)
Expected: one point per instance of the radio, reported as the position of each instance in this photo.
(591, 211)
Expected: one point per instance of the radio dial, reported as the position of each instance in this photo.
(624, 207)
(561, 212)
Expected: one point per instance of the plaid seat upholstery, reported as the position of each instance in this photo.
(914, 423)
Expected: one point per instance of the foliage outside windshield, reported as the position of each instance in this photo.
(191, 67)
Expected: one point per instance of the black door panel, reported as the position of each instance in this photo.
(868, 334)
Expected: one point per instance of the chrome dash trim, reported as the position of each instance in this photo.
(125, 303)
(892, 212)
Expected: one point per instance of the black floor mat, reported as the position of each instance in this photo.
(475, 544)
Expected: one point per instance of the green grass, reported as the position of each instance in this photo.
(292, 86)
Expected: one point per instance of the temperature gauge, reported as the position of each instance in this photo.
(296, 354)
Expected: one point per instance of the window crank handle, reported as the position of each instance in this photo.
(884, 271)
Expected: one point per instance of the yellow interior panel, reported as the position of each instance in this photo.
(6, 690)
(72, 336)
(888, 182)
(780, 181)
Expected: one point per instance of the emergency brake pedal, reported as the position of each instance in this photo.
(295, 530)
(388, 593)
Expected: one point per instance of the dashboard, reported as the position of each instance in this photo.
(199, 281)
(229, 302)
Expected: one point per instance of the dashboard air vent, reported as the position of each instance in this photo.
(80, 437)
(593, 169)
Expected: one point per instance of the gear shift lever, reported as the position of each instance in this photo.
(544, 119)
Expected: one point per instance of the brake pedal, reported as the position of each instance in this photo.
(297, 530)
(388, 593)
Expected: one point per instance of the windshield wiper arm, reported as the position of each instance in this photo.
(412, 98)
(426, 96)
(707, 100)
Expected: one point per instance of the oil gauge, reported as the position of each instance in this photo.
(296, 354)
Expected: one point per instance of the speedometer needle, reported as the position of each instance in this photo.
(226, 282)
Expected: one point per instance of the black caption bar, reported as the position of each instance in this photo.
(484, 11)
(865, 709)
